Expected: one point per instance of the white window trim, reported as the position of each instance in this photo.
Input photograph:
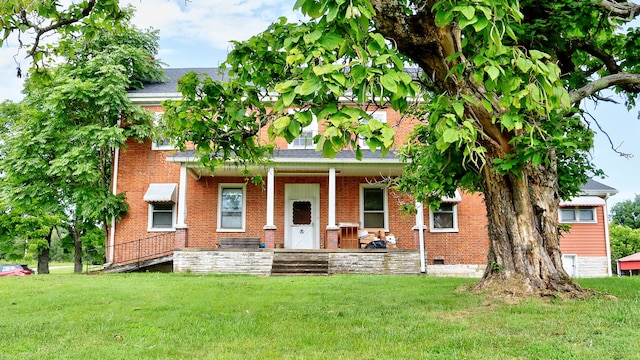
(384, 200)
(378, 115)
(454, 229)
(150, 227)
(154, 144)
(576, 210)
(244, 207)
(312, 128)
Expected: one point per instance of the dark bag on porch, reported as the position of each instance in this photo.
(376, 244)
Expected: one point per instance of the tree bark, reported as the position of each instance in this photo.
(43, 256)
(524, 255)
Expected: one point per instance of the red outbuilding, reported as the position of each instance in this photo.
(629, 263)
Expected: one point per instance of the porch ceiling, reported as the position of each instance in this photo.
(307, 163)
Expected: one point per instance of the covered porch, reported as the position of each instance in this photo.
(308, 202)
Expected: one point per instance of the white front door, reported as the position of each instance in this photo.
(302, 216)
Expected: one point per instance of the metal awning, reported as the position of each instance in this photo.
(161, 193)
(584, 201)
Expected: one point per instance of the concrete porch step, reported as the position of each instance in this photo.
(300, 264)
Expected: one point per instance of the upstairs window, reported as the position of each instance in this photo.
(305, 139)
(380, 116)
(578, 215)
(159, 143)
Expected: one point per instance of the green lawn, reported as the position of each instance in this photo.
(172, 316)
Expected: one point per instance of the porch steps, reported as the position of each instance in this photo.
(299, 263)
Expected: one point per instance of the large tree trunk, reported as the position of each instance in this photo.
(77, 249)
(524, 255)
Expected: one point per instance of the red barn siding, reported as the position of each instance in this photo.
(586, 239)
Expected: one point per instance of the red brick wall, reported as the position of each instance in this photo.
(470, 244)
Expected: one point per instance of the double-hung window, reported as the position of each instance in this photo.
(161, 199)
(162, 215)
(374, 213)
(158, 142)
(231, 207)
(444, 218)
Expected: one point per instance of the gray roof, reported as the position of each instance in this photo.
(593, 187)
(170, 85)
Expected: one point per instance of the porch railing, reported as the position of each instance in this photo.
(141, 250)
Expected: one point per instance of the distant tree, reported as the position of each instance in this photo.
(625, 241)
(627, 213)
(498, 92)
(57, 148)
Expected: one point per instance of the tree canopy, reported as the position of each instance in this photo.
(497, 85)
(58, 142)
(627, 213)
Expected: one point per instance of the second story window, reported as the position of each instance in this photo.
(160, 143)
(305, 139)
(581, 214)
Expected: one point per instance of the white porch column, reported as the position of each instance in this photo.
(182, 197)
(332, 199)
(270, 197)
(420, 226)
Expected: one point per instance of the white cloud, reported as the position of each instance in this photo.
(210, 23)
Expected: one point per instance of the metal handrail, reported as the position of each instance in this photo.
(140, 250)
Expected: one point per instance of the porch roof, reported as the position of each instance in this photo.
(304, 162)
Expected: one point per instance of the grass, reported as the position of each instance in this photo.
(173, 316)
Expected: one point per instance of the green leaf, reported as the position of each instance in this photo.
(450, 136)
(312, 37)
(325, 69)
(492, 71)
(468, 12)
(459, 109)
(308, 87)
(389, 82)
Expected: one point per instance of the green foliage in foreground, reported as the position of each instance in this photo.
(171, 316)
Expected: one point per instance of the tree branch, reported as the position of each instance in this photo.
(619, 10)
(620, 79)
(40, 31)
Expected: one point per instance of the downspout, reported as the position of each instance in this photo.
(606, 234)
(112, 233)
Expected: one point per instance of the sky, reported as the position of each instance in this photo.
(197, 33)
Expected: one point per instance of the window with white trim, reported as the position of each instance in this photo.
(158, 143)
(162, 216)
(374, 212)
(445, 218)
(380, 116)
(578, 214)
(305, 139)
(231, 207)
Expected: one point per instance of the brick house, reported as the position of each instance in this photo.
(307, 204)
